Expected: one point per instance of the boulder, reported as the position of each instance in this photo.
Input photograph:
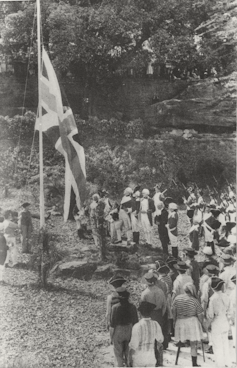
(104, 271)
(79, 269)
(202, 103)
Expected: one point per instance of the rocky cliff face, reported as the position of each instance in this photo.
(204, 103)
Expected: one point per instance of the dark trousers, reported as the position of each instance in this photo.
(211, 244)
(164, 238)
(194, 239)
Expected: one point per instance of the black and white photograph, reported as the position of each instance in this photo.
(118, 183)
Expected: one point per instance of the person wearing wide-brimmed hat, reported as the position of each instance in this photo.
(145, 334)
(116, 282)
(188, 319)
(228, 272)
(171, 261)
(26, 227)
(181, 279)
(172, 226)
(155, 295)
(217, 314)
(194, 266)
(123, 318)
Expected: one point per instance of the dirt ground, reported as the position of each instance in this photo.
(64, 325)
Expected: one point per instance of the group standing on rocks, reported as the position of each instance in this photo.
(191, 302)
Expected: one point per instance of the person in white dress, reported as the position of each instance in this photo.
(218, 314)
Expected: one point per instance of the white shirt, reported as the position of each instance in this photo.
(144, 334)
(144, 205)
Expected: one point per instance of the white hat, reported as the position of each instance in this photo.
(231, 239)
(145, 191)
(207, 251)
(137, 194)
(128, 190)
(173, 206)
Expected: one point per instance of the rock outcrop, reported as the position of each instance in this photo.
(208, 102)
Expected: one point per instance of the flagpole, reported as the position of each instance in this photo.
(40, 119)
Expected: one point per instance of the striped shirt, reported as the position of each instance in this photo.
(144, 334)
(186, 306)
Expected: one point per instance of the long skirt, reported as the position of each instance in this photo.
(188, 329)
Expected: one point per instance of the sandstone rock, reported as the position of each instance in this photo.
(202, 103)
(78, 269)
(104, 271)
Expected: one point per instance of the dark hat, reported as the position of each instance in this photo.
(228, 250)
(215, 282)
(171, 261)
(123, 293)
(233, 279)
(190, 251)
(212, 206)
(162, 267)
(227, 258)
(190, 213)
(26, 204)
(150, 277)
(229, 225)
(212, 269)
(119, 280)
(168, 200)
(181, 266)
(216, 212)
(138, 187)
(223, 243)
(213, 223)
(146, 308)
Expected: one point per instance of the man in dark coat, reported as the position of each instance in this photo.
(161, 221)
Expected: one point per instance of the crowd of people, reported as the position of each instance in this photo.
(189, 301)
(139, 212)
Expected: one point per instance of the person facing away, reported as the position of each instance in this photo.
(181, 279)
(145, 334)
(116, 282)
(188, 319)
(123, 318)
(26, 227)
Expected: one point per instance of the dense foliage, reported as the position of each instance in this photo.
(97, 41)
(114, 159)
